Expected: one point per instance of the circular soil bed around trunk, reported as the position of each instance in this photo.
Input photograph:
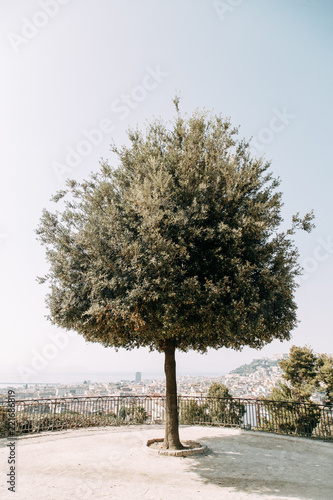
(155, 446)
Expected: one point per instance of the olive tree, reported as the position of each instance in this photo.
(176, 247)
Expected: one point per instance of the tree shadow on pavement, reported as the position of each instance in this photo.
(267, 465)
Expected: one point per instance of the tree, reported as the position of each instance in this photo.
(300, 373)
(289, 414)
(325, 386)
(303, 373)
(325, 377)
(122, 414)
(221, 406)
(178, 247)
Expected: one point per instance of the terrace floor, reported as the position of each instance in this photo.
(113, 463)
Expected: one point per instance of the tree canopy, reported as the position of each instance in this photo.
(305, 372)
(325, 377)
(180, 241)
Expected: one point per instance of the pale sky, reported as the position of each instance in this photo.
(76, 73)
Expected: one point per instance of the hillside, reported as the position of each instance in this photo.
(255, 379)
(267, 364)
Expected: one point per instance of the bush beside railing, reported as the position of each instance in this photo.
(299, 419)
(36, 415)
(228, 412)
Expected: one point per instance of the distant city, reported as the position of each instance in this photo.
(248, 381)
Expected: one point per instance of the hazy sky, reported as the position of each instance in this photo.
(76, 73)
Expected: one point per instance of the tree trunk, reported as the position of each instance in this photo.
(171, 438)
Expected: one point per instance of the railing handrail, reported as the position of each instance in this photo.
(162, 396)
(71, 398)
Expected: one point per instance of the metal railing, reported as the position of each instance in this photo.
(50, 414)
(281, 417)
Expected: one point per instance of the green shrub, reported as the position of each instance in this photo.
(222, 407)
(191, 412)
(290, 417)
(324, 428)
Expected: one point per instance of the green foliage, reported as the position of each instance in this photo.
(218, 408)
(39, 422)
(305, 372)
(222, 407)
(324, 428)
(264, 363)
(179, 243)
(122, 414)
(290, 417)
(138, 415)
(132, 414)
(217, 390)
(300, 373)
(325, 377)
(4, 420)
(193, 412)
(68, 420)
(290, 407)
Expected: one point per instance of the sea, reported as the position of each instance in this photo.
(79, 378)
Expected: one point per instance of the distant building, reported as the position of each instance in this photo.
(80, 391)
(61, 391)
(138, 377)
(70, 391)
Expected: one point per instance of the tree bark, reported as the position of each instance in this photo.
(171, 438)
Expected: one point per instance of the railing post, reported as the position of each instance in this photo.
(258, 415)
